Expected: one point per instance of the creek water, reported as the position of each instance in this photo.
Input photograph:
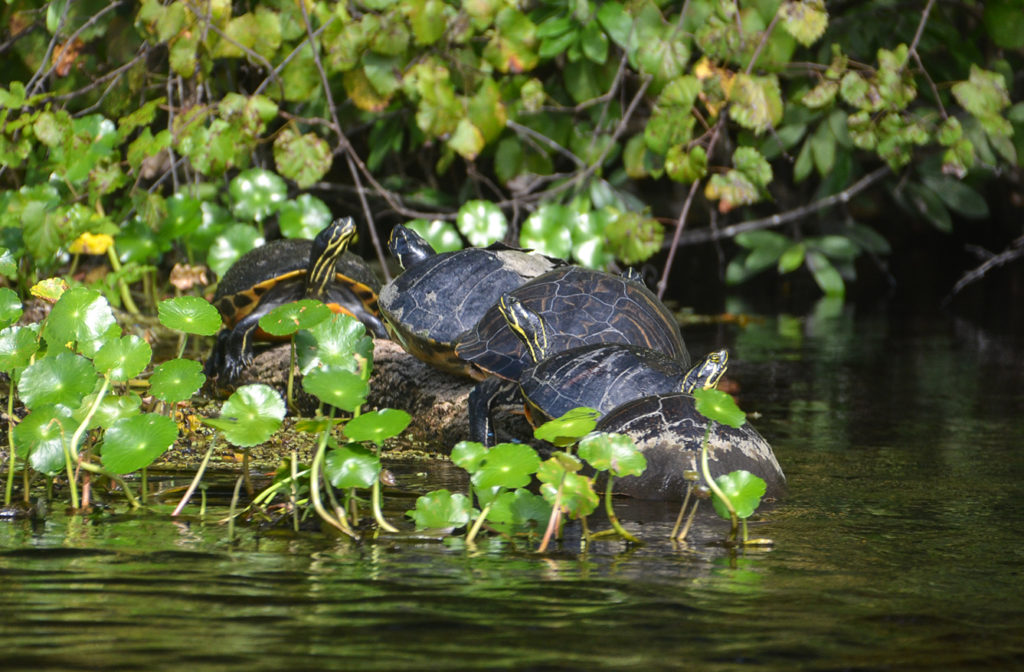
(897, 547)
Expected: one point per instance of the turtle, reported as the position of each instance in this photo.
(599, 375)
(669, 432)
(582, 306)
(288, 270)
(438, 296)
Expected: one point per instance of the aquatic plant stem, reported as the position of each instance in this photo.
(9, 488)
(713, 485)
(339, 522)
(231, 510)
(556, 515)
(71, 449)
(195, 481)
(377, 513)
(612, 518)
(94, 469)
(682, 511)
(293, 496)
(478, 523)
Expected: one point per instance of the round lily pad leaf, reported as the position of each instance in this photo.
(337, 387)
(377, 426)
(250, 415)
(588, 245)
(287, 319)
(352, 466)
(231, 244)
(10, 307)
(133, 443)
(256, 194)
(570, 427)
(441, 510)
(507, 465)
(615, 453)
(634, 238)
(482, 222)
(184, 215)
(176, 380)
(577, 492)
(64, 379)
(303, 217)
(442, 236)
(123, 358)
(214, 220)
(340, 341)
(743, 489)
(17, 345)
(719, 406)
(468, 455)
(518, 509)
(190, 314)
(40, 437)
(81, 316)
(549, 230)
(112, 408)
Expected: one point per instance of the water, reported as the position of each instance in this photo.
(897, 547)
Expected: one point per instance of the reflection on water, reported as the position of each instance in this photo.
(897, 548)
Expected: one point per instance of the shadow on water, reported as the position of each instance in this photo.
(896, 548)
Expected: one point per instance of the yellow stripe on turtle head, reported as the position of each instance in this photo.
(707, 372)
(526, 324)
(327, 247)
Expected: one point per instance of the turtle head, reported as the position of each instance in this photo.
(328, 245)
(633, 275)
(526, 324)
(707, 372)
(408, 247)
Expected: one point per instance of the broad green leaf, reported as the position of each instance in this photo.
(754, 167)
(468, 455)
(825, 274)
(805, 20)
(957, 196)
(756, 102)
(336, 386)
(732, 190)
(482, 222)
(251, 415)
(686, 166)
(176, 380)
(822, 95)
(441, 509)
(351, 466)
(81, 316)
(377, 426)
(549, 230)
(303, 158)
(190, 314)
(256, 194)
(574, 493)
(823, 149)
(40, 437)
(442, 235)
(514, 510)
(719, 406)
(614, 453)
(467, 140)
(594, 42)
(744, 491)
(134, 442)
(17, 345)
(112, 408)
(303, 217)
(287, 319)
(634, 238)
(1004, 22)
(792, 258)
(506, 465)
(340, 341)
(123, 358)
(230, 245)
(671, 121)
(984, 95)
(10, 307)
(568, 428)
(928, 203)
(64, 379)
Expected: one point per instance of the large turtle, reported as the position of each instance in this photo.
(439, 296)
(288, 270)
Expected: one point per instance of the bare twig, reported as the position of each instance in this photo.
(1014, 251)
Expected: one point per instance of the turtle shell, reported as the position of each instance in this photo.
(601, 376)
(435, 300)
(581, 307)
(669, 431)
(281, 266)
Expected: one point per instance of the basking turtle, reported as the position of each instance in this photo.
(288, 270)
(439, 296)
(600, 376)
(669, 432)
(581, 306)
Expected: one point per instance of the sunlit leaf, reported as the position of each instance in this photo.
(250, 415)
(303, 158)
(756, 102)
(81, 316)
(633, 237)
(340, 341)
(719, 406)
(549, 230)
(441, 509)
(482, 222)
(303, 217)
(230, 245)
(568, 428)
(256, 194)
(442, 235)
(351, 466)
(744, 491)
(506, 465)
(517, 509)
(575, 493)
(17, 345)
(468, 455)
(64, 379)
(40, 436)
(286, 319)
(190, 314)
(10, 307)
(805, 20)
(377, 426)
(133, 443)
(123, 358)
(615, 453)
(337, 387)
(176, 380)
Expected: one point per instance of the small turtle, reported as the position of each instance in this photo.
(439, 296)
(283, 271)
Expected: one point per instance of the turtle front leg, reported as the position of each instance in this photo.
(236, 353)
(481, 400)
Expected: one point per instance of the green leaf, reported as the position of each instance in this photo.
(377, 426)
(753, 165)
(513, 510)
(64, 379)
(190, 314)
(792, 258)
(686, 166)
(81, 316)
(352, 466)
(303, 217)
(825, 274)
(482, 222)
(287, 319)
(594, 42)
(230, 245)
(441, 509)
(928, 203)
(568, 428)
(303, 158)
(744, 491)
(134, 442)
(618, 23)
(40, 436)
(577, 496)
(468, 455)
(506, 465)
(719, 406)
(256, 194)
(428, 19)
(1004, 22)
(467, 140)
(10, 307)
(805, 20)
(337, 387)
(663, 58)
(341, 341)
(731, 190)
(671, 121)
(615, 453)
(17, 345)
(823, 149)
(123, 358)
(442, 235)
(176, 380)
(112, 408)
(984, 95)
(957, 196)
(756, 102)
(549, 230)
(251, 415)
(634, 238)
(822, 95)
